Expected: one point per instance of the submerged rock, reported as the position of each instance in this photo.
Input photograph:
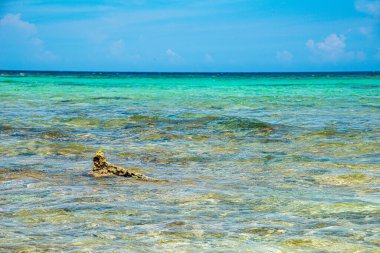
(82, 122)
(237, 123)
(350, 180)
(103, 168)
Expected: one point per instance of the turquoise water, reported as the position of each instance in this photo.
(249, 162)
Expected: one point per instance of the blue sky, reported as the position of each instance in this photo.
(192, 35)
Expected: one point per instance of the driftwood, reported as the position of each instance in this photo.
(103, 168)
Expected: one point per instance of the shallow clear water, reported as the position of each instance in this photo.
(250, 163)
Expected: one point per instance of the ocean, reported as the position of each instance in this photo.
(261, 162)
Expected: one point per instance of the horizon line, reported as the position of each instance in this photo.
(189, 72)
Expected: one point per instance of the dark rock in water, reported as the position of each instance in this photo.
(103, 168)
(54, 135)
(111, 98)
(67, 101)
(245, 124)
(6, 128)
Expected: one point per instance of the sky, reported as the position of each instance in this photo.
(190, 35)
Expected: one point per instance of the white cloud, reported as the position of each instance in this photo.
(371, 8)
(209, 58)
(333, 49)
(117, 48)
(284, 57)
(366, 30)
(172, 56)
(19, 39)
(41, 53)
(171, 53)
(13, 21)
